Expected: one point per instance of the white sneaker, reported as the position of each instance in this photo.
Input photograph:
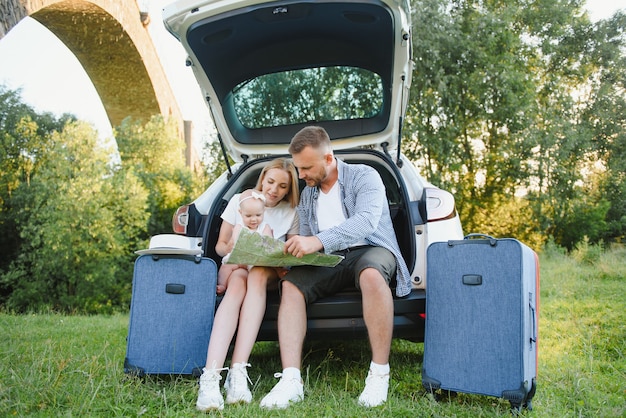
(236, 384)
(285, 391)
(209, 395)
(375, 392)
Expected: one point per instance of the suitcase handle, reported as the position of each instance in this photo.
(533, 320)
(175, 288)
(478, 235)
(195, 258)
(484, 239)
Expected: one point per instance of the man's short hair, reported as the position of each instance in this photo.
(310, 136)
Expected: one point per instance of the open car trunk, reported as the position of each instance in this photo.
(331, 317)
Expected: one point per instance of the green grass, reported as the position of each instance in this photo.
(72, 366)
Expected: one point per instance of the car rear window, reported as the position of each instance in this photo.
(308, 95)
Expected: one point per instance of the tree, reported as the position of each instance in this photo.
(72, 215)
(496, 114)
(214, 160)
(24, 145)
(154, 152)
(79, 223)
(472, 98)
(329, 93)
(604, 117)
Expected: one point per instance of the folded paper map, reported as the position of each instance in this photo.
(261, 250)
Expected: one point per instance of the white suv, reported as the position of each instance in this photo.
(269, 68)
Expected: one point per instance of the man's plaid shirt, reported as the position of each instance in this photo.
(367, 217)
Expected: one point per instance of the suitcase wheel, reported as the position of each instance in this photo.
(445, 395)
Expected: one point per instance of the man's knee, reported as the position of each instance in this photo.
(288, 287)
(370, 279)
(289, 291)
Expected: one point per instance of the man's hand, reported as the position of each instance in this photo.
(299, 246)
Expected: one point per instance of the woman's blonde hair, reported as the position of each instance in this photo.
(293, 195)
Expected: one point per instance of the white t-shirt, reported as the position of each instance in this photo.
(282, 218)
(330, 211)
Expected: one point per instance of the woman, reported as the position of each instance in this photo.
(244, 300)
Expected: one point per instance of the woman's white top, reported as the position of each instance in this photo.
(282, 218)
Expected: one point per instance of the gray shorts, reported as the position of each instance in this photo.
(317, 282)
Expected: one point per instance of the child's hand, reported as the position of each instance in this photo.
(220, 289)
(236, 232)
(268, 231)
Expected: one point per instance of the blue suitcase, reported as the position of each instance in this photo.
(171, 314)
(481, 318)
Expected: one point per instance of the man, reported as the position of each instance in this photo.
(343, 209)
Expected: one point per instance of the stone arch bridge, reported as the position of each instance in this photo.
(111, 41)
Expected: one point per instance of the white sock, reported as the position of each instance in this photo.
(379, 368)
(292, 373)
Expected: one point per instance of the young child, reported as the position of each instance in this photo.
(251, 211)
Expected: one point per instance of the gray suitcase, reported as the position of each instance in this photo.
(171, 314)
(481, 318)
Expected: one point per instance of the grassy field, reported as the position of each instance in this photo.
(72, 366)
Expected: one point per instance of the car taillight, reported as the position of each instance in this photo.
(180, 220)
(439, 205)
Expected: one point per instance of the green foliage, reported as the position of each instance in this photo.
(78, 224)
(506, 217)
(585, 215)
(56, 365)
(71, 218)
(587, 253)
(516, 99)
(214, 160)
(154, 152)
(321, 94)
(517, 108)
(24, 145)
(605, 118)
(472, 98)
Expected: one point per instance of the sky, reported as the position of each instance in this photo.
(62, 86)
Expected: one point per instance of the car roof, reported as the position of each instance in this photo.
(231, 42)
